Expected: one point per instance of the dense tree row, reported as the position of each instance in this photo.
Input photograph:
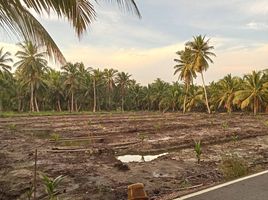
(36, 87)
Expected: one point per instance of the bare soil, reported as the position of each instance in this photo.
(84, 148)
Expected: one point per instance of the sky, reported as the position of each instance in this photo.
(146, 47)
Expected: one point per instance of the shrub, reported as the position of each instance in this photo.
(232, 166)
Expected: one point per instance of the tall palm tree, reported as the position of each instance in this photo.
(71, 75)
(202, 57)
(31, 65)
(109, 75)
(186, 70)
(254, 92)
(16, 19)
(4, 61)
(123, 81)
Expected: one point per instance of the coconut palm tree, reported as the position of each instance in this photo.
(109, 75)
(97, 76)
(31, 65)
(186, 70)
(55, 87)
(202, 57)
(71, 75)
(226, 89)
(16, 19)
(4, 61)
(254, 92)
(123, 81)
(195, 98)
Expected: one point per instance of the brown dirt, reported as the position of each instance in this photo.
(89, 144)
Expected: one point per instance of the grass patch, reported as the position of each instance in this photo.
(232, 167)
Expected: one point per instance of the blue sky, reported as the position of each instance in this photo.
(146, 47)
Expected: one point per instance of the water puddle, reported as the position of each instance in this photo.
(139, 158)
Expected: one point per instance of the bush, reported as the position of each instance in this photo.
(232, 167)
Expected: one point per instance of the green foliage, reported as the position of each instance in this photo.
(142, 136)
(12, 127)
(225, 125)
(52, 186)
(233, 167)
(235, 138)
(198, 150)
(29, 192)
(185, 183)
(55, 137)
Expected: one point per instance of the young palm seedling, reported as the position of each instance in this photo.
(51, 186)
(198, 150)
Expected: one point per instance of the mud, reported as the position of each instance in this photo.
(85, 148)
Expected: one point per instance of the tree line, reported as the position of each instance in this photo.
(36, 87)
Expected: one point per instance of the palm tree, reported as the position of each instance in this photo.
(71, 75)
(226, 89)
(185, 68)
(55, 86)
(254, 92)
(109, 75)
(195, 98)
(159, 91)
(31, 65)
(4, 60)
(97, 76)
(16, 19)
(123, 82)
(202, 53)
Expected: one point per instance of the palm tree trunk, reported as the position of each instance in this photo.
(59, 106)
(36, 104)
(32, 99)
(1, 104)
(255, 106)
(72, 102)
(205, 91)
(109, 100)
(185, 97)
(94, 92)
(122, 103)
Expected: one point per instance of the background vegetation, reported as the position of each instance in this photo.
(36, 87)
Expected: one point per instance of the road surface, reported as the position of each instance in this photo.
(254, 187)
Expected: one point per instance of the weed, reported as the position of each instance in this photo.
(232, 166)
(12, 127)
(29, 192)
(142, 136)
(266, 123)
(51, 186)
(55, 137)
(185, 183)
(235, 138)
(198, 150)
(158, 126)
(225, 126)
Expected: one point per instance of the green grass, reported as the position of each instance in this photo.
(54, 113)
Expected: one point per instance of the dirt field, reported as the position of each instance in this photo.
(85, 149)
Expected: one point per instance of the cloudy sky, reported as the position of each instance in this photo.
(146, 47)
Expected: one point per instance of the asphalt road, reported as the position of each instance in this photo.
(254, 188)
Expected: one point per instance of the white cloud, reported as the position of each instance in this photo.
(257, 26)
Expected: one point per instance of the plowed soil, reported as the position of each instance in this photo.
(84, 148)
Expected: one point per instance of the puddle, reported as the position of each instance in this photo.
(139, 158)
